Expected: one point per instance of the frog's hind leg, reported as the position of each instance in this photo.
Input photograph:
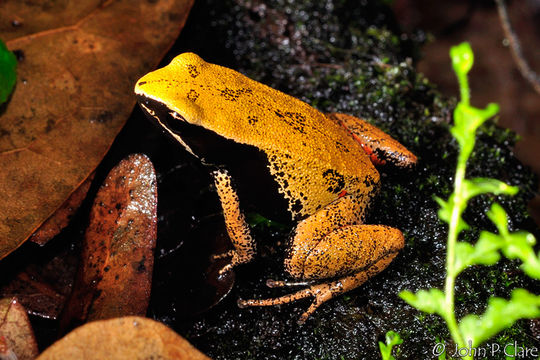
(331, 244)
(235, 222)
(364, 249)
(380, 147)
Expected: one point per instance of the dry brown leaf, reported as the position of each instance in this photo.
(80, 60)
(39, 297)
(16, 335)
(115, 276)
(43, 286)
(62, 215)
(127, 338)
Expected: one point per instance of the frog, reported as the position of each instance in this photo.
(318, 169)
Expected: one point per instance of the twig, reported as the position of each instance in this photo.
(515, 46)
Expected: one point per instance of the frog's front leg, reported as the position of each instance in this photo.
(331, 244)
(237, 227)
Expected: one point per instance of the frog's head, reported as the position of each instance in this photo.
(173, 89)
(168, 97)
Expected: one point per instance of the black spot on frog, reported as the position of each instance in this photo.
(295, 120)
(193, 71)
(334, 180)
(252, 120)
(233, 95)
(192, 95)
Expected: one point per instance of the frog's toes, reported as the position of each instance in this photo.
(236, 259)
(224, 255)
(275, 301)
(279, 283)
(321, 293)
(228, 267)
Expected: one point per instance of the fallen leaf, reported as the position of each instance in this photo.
(62, 215)
(43, 285)
(17, 339)
(118, 253)
(38, 297)
(80, 60)
(128, 338)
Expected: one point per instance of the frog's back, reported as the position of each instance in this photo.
(306, 149)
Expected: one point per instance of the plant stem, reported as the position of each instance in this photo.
(449, 287)
(464, 89)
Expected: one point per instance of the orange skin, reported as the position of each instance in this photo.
(321, 163)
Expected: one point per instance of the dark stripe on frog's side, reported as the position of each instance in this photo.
(247, 165)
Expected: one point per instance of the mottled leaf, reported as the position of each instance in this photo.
(43, 286)
(61, 217)
(16, 336)
(117, 259)
(80, 60)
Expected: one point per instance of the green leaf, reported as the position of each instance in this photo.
(486, 248)
(498, 216)
(485, 252)
(445, 212)
(255, 219)
(473, 117)
(8, 64)
(392, 339)
(518, 245)
(478, 186)
(467, 119)
(430, 301)
(462, 58)
(500, 314)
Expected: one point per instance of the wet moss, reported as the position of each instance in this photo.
(349, 56)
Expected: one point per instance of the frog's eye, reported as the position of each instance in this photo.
(175, 122)
(177, 116)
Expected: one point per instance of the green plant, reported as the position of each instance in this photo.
(8, 63)
(392, 339)
(472, 330)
